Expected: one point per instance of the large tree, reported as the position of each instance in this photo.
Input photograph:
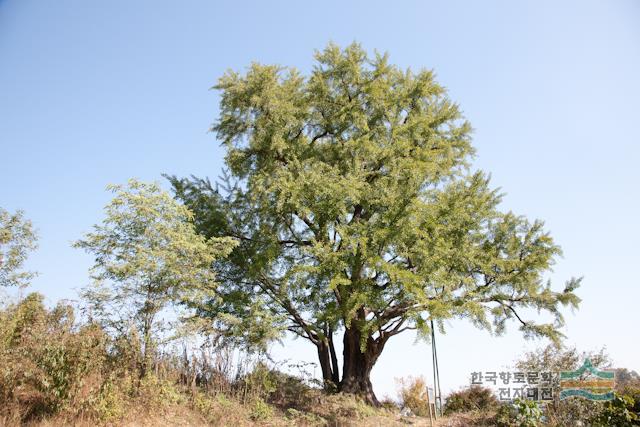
(17, 239)
(351, 193)
(148, 256)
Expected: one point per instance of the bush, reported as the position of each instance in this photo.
(261, 410)
(471, 399)
(414, 395)
(389, 404)
(618, 412)
(520, 413)
(48, 366)
(628, 384)
(505, 416)
(154, 392)
(259, 383)
(290, 392)
(342, 408)
(528, 413)
(633, 392)
(111, 401)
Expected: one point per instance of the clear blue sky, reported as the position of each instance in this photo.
(93, 93)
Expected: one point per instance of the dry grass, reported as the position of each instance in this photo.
(205, 410)
(56, 372)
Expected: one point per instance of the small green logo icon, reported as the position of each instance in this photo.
(587, 382)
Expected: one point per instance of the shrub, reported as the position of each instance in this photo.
(528, 413)
(259, 383)
(633, 392)
(471, 399)
(155, 392)
(618, 412)
(341, 409)
(520, 413)
(52, 366)
(505, 415)
(414, 395)
(111, 401)
(261, 410)
(628, 384)
(47, 365)
(389, 404)
(290, 392)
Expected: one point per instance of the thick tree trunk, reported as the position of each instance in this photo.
(358, 365)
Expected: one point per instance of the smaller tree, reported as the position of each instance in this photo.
(553, 359)
(147, 257)
(17, 239)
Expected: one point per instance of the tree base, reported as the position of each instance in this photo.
(361, 388)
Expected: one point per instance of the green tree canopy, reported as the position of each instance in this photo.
(351, 194)
(17, 239)
(147, 256)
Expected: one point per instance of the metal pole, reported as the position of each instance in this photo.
(433, 364)
(437, 392)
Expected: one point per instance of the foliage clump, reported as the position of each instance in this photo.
(620, 412)
(413, 393)
(17, 239)
(47, 363)
(474, 398)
